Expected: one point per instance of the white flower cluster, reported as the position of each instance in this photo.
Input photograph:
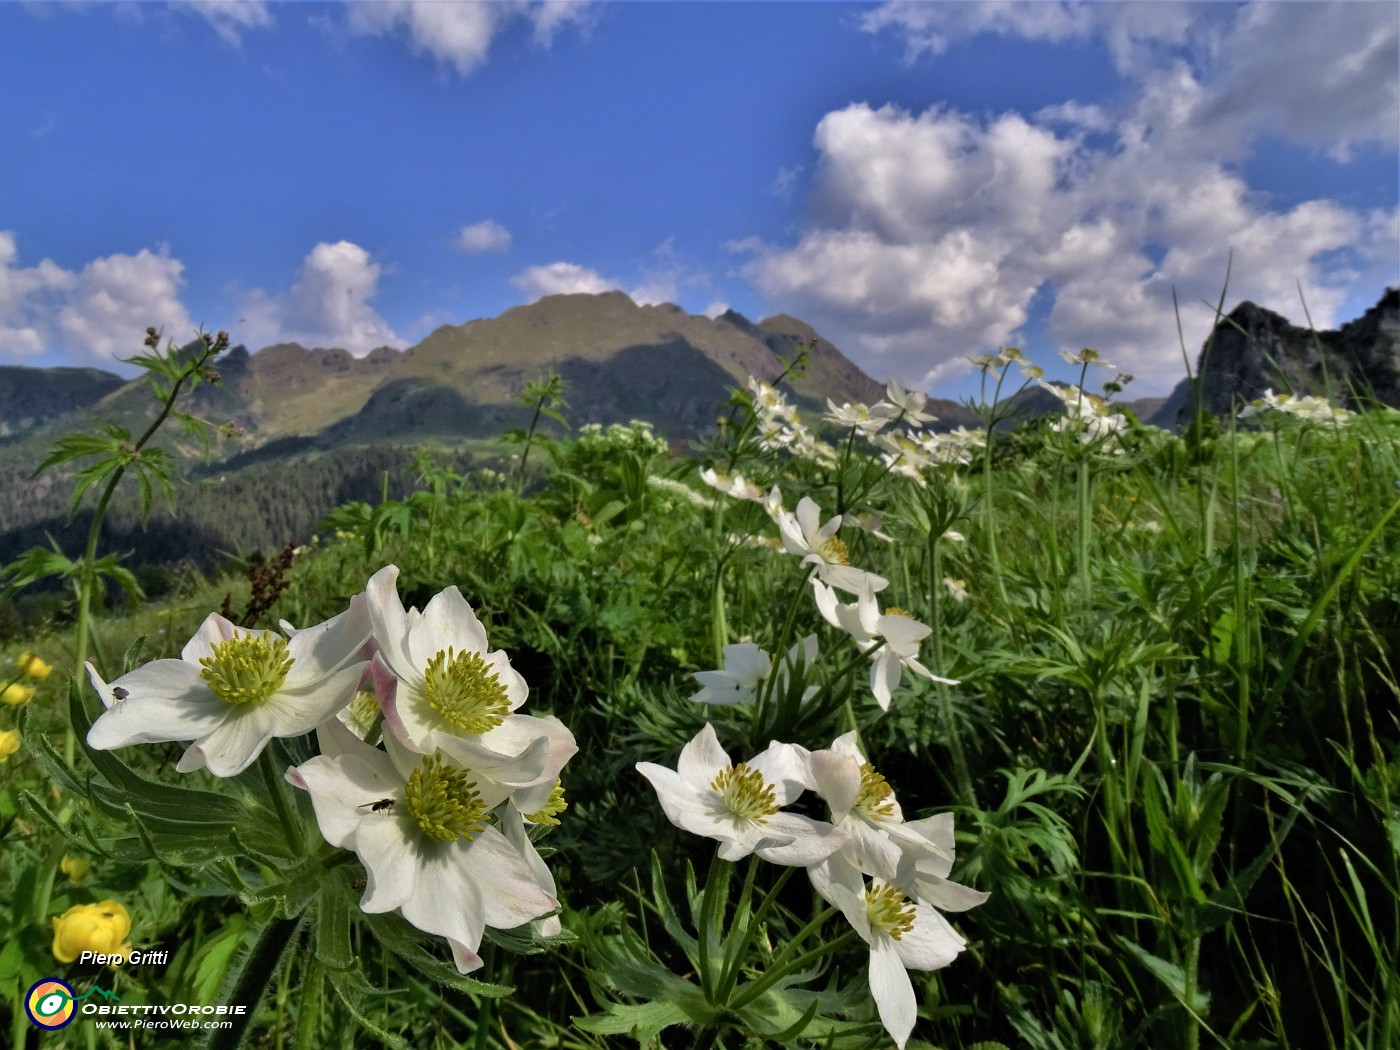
(890, 638)
(780, 427)
(1310, 409)
(1090, 416)
(636, 436)
(888, 876)
(438, 816)
(680, 489)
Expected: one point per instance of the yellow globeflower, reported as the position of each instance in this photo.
(16, 694)
(99, 928)
(32, 667)
(9, 743)
(76, 868)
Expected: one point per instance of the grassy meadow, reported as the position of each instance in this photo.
(1170, 758)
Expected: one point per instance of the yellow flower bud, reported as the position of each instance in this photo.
(16, 694)
(9, 743)
(100, 928)
(32, 667)
(76, 868)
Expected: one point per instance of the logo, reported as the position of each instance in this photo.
(50, 1002)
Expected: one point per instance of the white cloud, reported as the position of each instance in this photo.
(328, 305)
(459, 35)
(230, 18)
(486, 236)
(94, 315)
(930, 234)
(716, 308)
(561, 278)
(663, 279)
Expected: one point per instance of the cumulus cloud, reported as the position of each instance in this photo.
(230, 18)
(328, 305)
(95, 315)
(663, 279)
(459, 35)
(930, 234)
(487, 236)
(561, 278)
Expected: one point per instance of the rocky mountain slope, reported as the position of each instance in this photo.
(1253, 349)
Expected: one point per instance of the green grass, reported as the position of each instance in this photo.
(1173, 755)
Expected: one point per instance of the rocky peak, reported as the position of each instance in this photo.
(1253, 349)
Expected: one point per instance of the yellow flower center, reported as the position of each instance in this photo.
(745, 793)
(247, 668)
(890, 911)
(465, 692)
(895, 610)
(442, 800)
(362, 711)
(552, 808)
(875, 798)
(835, 551)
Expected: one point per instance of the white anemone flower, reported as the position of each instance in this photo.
(856, 416)
(908, 403)
(897, 631)
(903, 935)
(864, 806)
(735, 486)
(444, 691)
(420, 824)
(817, 544)
(234, 689)
(741, 805)
(746, 667)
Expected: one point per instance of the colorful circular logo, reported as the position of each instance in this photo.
(49, 1003)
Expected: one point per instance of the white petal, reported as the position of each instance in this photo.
(390, 623)
(448, 622)
(510, 894)
(318, 651)
(444, 900)
(340, 786)
(150, 716)
(812, 840)
(871, 850)
(948, 896)
(837, 779)
(838, 882)
(885, 674)
(931, 944)
(231, 748)
(702, 758)
(212, 631)
(298, 712)
(892, 990)
(784, 767)
(746, 663)
(391, 858)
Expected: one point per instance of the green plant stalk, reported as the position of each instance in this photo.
(311, 1004)
(88, 577)
(277, 788)
(739, 946)
(782, 967)
(961, 771)
(1085, 527)
(529, 440)
(710, 906)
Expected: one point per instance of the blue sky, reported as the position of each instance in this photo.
(918, 181)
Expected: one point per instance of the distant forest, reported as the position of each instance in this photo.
(219, 511)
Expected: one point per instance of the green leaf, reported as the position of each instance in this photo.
(1170, 975)
(643, 1021)
(404, 941)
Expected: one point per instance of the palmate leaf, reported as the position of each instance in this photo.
(642, 1021)
(76, 446)
(33, 565)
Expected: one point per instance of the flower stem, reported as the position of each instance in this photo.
(277, 789)
(308, 1030)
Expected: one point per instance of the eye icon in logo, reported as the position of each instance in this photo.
(49, 1003)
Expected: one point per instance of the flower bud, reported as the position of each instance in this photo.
(76, 868)
(33, 667)
(99, 928)
(9, 744)
(16, 694)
